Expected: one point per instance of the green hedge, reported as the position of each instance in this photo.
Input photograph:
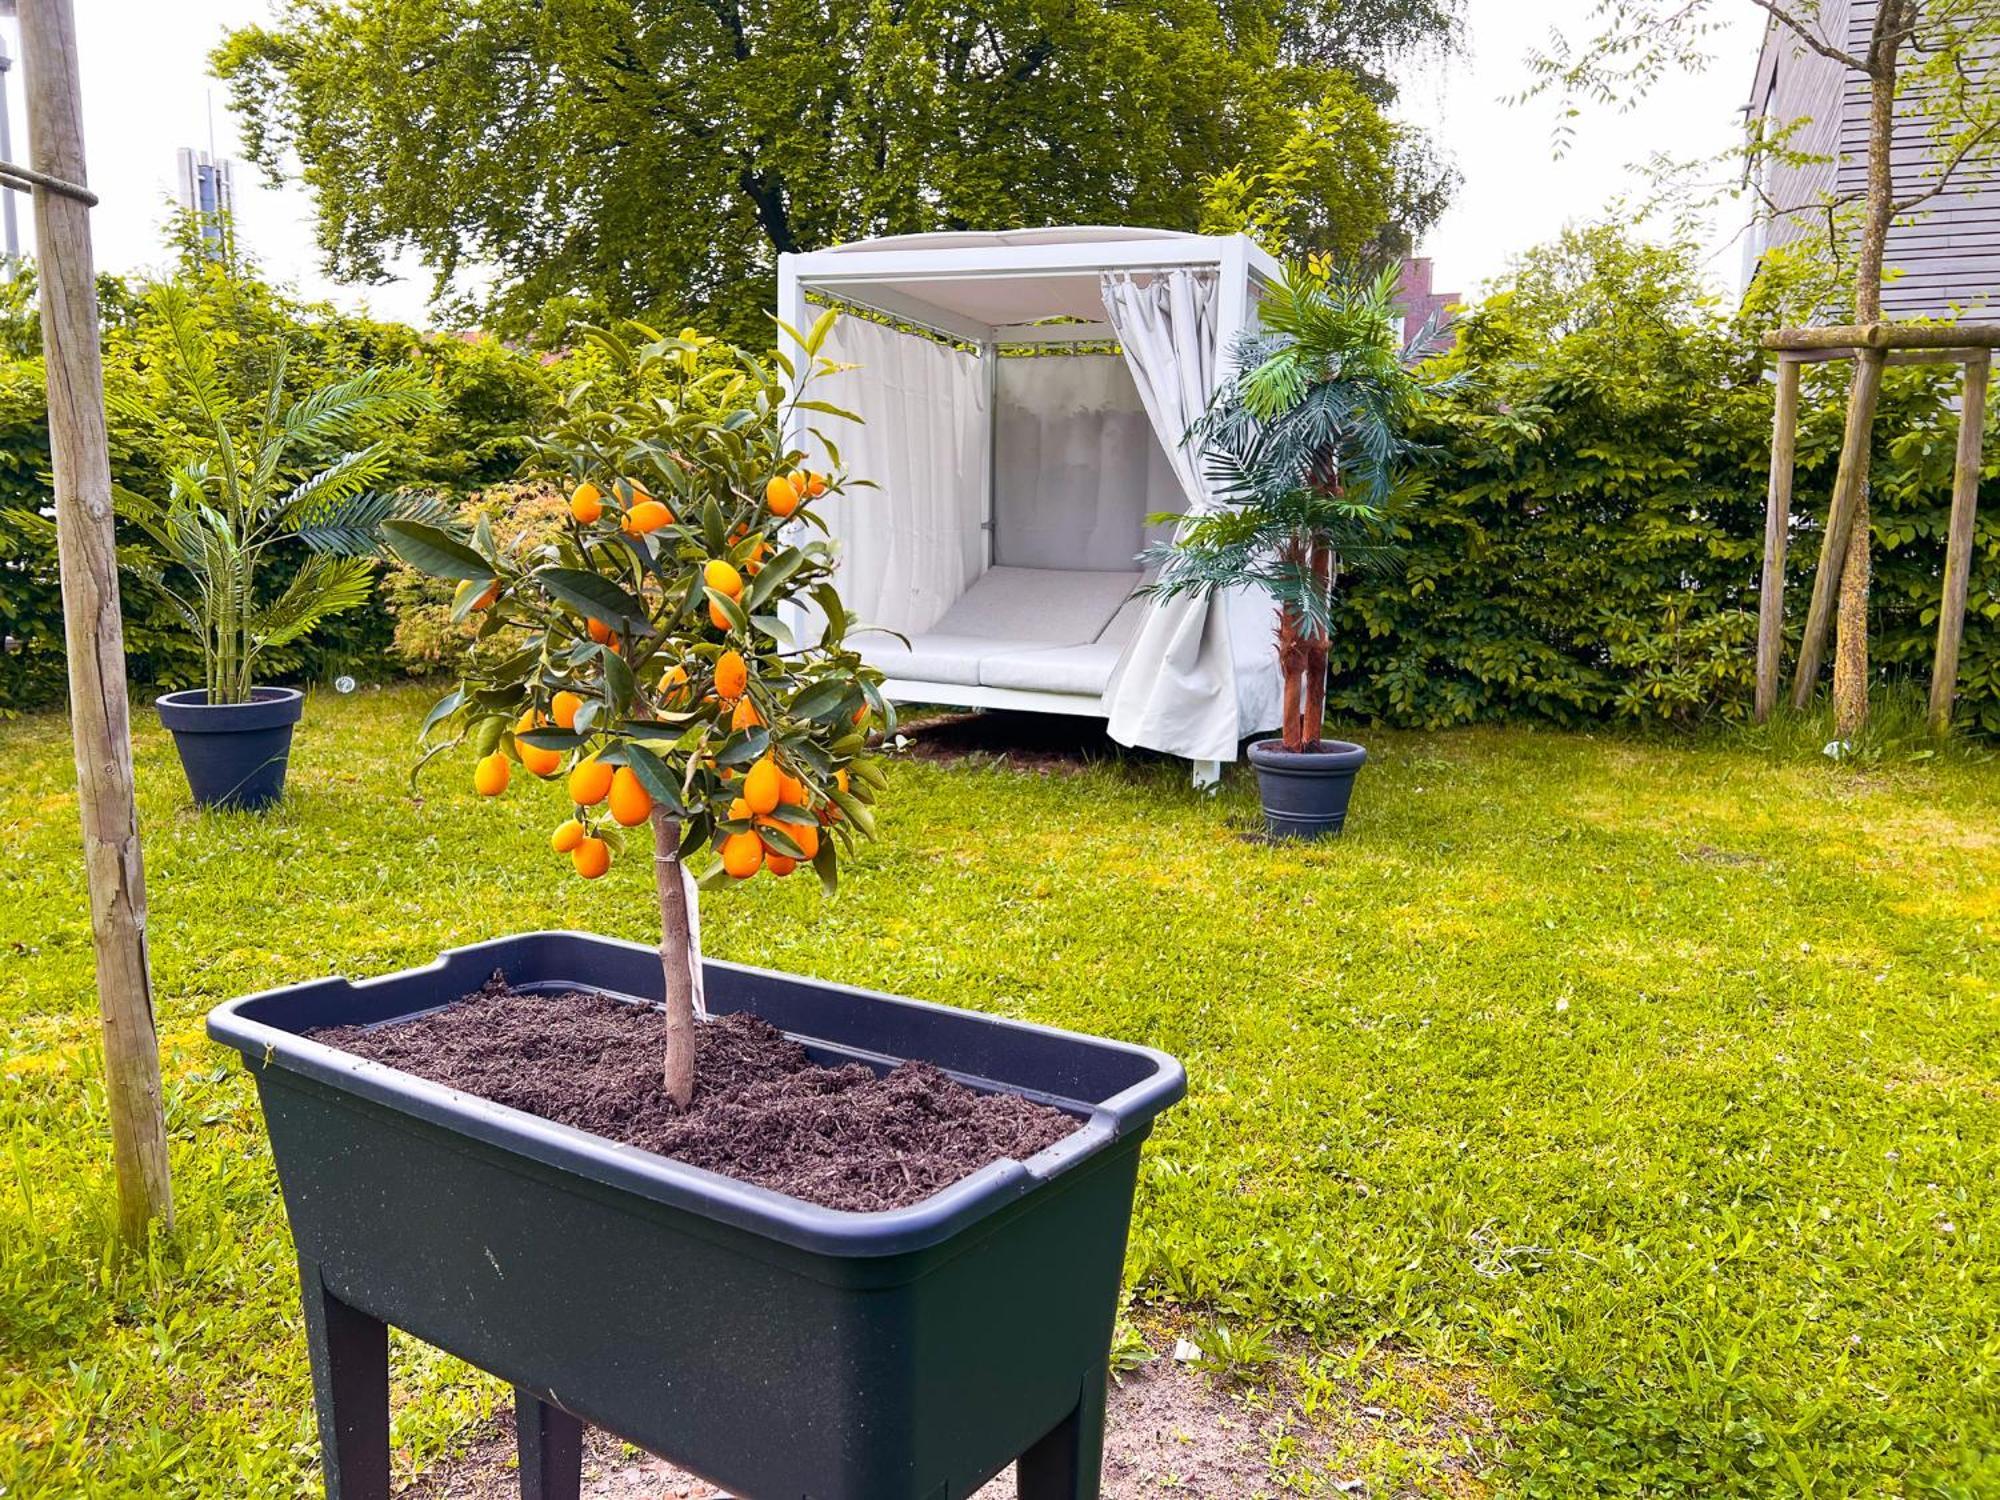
(1588, 550)
(493, 397)
(1591, 544)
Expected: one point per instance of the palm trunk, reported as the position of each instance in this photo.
(1292, 669)
(676, 958)
(1318, 648)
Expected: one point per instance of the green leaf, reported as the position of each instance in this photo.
(550, 738)
(653, 776)
(771, 577)
(441, 710)
(731, 610)
(430, 550)
(822, 698)
(714, 530)
(593, 596)
(619, 684)
(826, 864)
(741, 752)
(857, 811)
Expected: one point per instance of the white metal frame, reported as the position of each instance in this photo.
(867, 278)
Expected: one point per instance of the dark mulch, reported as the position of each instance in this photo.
(1042, 744)
(763, 1112)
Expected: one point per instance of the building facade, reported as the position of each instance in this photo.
(1943, 258)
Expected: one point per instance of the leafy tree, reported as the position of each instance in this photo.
(1931, 59)
(641, 649)
(617, 157)
(1308, 446)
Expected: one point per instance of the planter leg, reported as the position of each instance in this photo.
(551, 1446)
(1068, 1464)
(350, 1371)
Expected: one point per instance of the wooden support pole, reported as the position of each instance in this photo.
(1958, 545)
(1848, 485)
(99, 711)
(1777, 525)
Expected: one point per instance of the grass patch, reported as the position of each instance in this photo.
(1651, 1086)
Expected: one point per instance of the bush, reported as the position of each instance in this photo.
(491, 397)
(1591, 544)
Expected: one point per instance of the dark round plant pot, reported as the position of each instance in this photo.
(234, 753)
(1305, 793)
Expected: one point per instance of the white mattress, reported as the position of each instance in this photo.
(1043, 630)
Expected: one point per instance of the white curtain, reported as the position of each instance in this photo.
(911, 545)
(1076, 466)
(1192, 682)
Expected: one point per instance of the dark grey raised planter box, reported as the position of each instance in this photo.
(781, 1350)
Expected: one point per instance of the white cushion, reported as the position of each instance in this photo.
(1049, 606)
(928, 658)
(1083, 670)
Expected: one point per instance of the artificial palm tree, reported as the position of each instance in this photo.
(1308, 446)
(250, 473)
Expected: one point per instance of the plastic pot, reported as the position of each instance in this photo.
(778, 1349)
(234, 754)
(1305, 793)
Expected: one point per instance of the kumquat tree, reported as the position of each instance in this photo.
(646, 657)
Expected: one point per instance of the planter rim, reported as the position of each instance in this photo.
(189, 711)
(1333, 755)
(660, 1179)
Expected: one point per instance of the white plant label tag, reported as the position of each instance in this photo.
(694, 942)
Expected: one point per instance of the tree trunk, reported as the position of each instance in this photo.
(677, 958)
(92, 629)
(1318, 649)
(1292, 668)
(1850, 655)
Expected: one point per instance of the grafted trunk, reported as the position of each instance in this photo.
(676, 958)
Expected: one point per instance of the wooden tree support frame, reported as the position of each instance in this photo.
(1872, 346)
(93, 631)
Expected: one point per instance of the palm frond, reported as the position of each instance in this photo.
(323, 586)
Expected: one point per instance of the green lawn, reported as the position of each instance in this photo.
(1652, 1093)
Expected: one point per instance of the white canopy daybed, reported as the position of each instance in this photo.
(1016, 458)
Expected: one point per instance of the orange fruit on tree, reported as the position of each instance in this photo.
(563, 707)
(647, 517)
(600, 632)
(804, 835)
(781, 495)
(732, 675)
(485, 600)
(815, 485)
(591, 857)
(792, 790)
(840, 778)
(763, 787)
(586, 503)
(568, 834)
(742, 855)
(541, 762)
(723, 578)
(780, 864)
(590, 782)
(717, 618)
(631, 803)
(491, 775)
(746, 715)
(673, 687)
(739, 811)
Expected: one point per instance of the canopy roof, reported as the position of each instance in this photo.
(996, 286)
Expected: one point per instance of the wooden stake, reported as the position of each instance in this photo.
(1777, 524)
(94, 634)
(1847, 487)
(1958, 547)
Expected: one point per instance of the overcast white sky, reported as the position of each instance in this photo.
(146, 92)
